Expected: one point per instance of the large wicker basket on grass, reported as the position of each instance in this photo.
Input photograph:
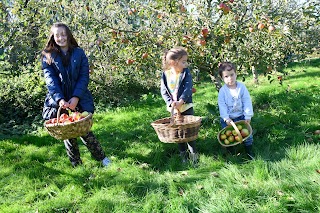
(234, 126)
(75, 129)
(178, 128)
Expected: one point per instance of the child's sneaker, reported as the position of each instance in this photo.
(249, 152)
(106, 162)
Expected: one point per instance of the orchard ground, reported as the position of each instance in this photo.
(147, 176)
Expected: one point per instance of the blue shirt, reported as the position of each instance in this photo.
(233, 104)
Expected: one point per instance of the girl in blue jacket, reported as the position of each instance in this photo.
(176, 91)
(66, 73)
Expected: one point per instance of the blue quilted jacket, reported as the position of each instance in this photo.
(62, 84)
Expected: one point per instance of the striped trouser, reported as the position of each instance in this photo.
(90, 141)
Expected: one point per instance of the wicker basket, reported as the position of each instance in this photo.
(177, 129)
(75, 129)
(234, 126)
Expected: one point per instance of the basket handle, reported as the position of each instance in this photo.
(172, 119)
(237, 130)
(58, 114)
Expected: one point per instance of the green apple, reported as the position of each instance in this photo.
(223, 137)
(231, 138)
(76, 116)
(234, 132)
(237, 138)
(226, 141)
(84, 114)
(239, 127)
(244, 132)
(228, 132)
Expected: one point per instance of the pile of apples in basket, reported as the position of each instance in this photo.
(229, 135)
(66, 119)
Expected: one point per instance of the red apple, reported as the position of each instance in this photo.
(244, 132)
(205, 32)
(194, 90)
(76, 116)
(226, 10)
(202, 42)
(221, 6)
(271, 28)
(185, 39)
(130, 61)
(237, 138)
(53, 120)
(125, 41)
(261, 26)
(183, 8)
(63, 117)
(145, 55)
(251, 29)
(114, 34)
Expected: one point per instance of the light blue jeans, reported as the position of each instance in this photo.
(249, 140)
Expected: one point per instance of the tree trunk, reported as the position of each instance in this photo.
(217, 82)
(254, 74)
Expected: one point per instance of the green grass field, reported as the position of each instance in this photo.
(147, 176)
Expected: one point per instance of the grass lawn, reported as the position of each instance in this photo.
(147, 176)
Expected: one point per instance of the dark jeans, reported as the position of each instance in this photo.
(90, 141)
(247, 142)
(192, 144)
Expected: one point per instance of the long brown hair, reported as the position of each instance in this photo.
(52, 46)
(175, 53)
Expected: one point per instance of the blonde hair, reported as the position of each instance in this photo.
(175, 53)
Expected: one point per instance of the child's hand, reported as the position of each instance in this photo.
(63, 104)
(73, 102)
(248, 121)
(177, 104)
(228, 122)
